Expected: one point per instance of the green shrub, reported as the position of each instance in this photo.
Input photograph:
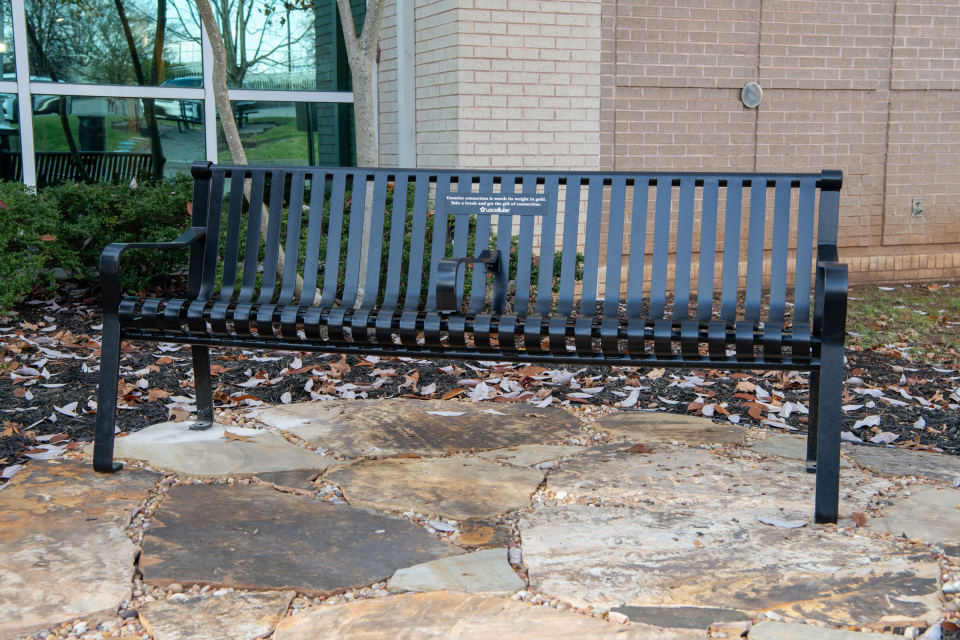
(28, 227)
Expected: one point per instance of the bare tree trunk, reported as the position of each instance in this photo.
(149, 106)
(362, 54)
(230, 132)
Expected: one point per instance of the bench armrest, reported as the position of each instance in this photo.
(449, 268)
(830, 304)
(110, 261)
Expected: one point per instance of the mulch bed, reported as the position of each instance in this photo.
(68, 328)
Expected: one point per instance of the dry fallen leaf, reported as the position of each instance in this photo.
(230, 436)
(157, 394)
(451, 394)
(640, 448)
(858, 518)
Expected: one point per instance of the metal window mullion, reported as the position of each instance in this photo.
(267, 95)
(24, 100)
(135, 92)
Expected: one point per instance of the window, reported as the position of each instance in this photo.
(121, 89)
(115, 139)
(293, 133)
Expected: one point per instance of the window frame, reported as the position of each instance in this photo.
(24, 89)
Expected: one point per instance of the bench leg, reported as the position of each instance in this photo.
(203, 387)
(107, 396)
(812, 422)
(829, 412)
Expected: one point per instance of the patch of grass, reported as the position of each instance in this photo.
(922, 318)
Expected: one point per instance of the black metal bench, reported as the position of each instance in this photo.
(355, 300)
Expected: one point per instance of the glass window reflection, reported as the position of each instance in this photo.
(115, 139)
(8, 62)
(293, 133)
(108, 42)
(9, 138)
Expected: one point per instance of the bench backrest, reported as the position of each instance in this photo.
(56, 166)
(672, 226)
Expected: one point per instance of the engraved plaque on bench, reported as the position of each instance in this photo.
(502, 204)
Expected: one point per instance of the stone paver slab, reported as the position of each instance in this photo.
(483, 572)
(889, 461)
(173, 446)
(528, 455)
(682, 617)
(389, 427)
(451, 616)
(768, 630)
(930, 513)
(63, 551)
(607, 557)
(259, 538)
(655, 426)
(232, 616)
(786, 446)
(674, 479)
(457, 488)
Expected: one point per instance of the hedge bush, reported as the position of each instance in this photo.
(68, 225)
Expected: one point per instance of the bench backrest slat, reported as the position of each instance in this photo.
(731, 250)
(232, 247)
(611, 289)
(439, 241)
(252, 247)
(524, 255)
(211, 250)
(590, 208)
(548, 242)
(806, 217)
(661, 247)
(681, 278)
(781, 250)
(418, 241)
(461, 230)
(355, 239)
(478, 283)
(758, 214)
(271, 247)
(708, 249)
(568, 263)
(591, 245)
(311, 263)
(292, 245)
(331, 265)
(375, 245)
(638, 247)
(398, 221)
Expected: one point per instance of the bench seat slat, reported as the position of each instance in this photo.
(638, 247)
(231, 249)
(525, 251)
(311, 265)
(548, 241)
(252, 247)
(780, 252)
(568, 263)
(417, 242)
(805, 219)
(591, 246)
(731, 250)
(611, 289)
(292, 246)
(331, 268)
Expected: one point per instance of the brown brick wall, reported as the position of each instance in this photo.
(868, 87)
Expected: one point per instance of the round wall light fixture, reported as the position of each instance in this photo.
(751, 95)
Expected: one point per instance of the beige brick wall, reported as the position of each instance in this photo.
(387, 88)
(437, 64)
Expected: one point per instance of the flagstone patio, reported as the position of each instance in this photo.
(447, 519)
